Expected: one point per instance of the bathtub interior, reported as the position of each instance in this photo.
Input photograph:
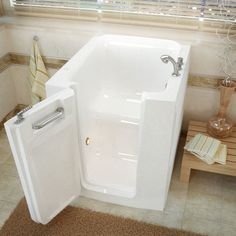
(110, 81)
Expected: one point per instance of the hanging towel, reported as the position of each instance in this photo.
(207, 149)
(38, 75)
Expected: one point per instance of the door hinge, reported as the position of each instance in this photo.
(20, 115)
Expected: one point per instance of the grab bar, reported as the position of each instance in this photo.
(49, 119)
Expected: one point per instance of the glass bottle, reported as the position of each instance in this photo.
(221, 126)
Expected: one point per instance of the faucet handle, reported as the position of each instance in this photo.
(180, 61)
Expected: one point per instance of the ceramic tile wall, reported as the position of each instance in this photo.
(7, 88)
(63, 39)
(19, 77)
(4, 45)
(7, 94)
(201, 103)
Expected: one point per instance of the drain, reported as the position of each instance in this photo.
(87, 141)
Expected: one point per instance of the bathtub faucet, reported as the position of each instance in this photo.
(177, 65)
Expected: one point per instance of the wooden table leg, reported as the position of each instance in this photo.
(185, 172)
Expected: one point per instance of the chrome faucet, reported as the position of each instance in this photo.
(177, 65)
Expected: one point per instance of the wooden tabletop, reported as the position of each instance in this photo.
(192, 162)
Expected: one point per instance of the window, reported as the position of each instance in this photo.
(213, 10)
(66, 4)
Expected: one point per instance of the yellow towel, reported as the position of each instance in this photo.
(208, 149)
(38, 75)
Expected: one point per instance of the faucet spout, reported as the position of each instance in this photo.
(176, 65)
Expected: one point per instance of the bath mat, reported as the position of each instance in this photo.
(77, 221)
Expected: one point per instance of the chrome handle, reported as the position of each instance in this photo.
(58, 114)
(180, 60)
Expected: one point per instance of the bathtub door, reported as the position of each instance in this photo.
(45, 148)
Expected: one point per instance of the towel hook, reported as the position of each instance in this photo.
(36, 38)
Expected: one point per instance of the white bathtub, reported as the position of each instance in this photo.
(131, 108)
(129, 111)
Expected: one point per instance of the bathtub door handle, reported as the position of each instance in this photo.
(58, 114)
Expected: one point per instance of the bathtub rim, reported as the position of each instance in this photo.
(61, 79)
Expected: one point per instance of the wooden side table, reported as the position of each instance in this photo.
(190, 161)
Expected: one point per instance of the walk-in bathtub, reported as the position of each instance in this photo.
(127, 119)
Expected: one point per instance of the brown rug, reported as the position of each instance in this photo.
(78, 221)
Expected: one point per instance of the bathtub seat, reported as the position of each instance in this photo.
(191, 162)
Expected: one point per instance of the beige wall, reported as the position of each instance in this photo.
(7, 88)
(1, 8)
(6, 6)
(7, 94)
(63, 38)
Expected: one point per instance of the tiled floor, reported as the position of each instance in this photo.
(207, 205)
